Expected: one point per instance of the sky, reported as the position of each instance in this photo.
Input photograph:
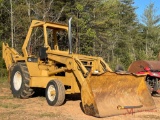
(142, 4)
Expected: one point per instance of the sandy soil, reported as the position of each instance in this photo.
(36, 108)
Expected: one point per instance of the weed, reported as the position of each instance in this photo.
(10, 105)
(69, 119)
(4, 115)
(49, 115)
(6, 97)
(155, 117)
(3, 79)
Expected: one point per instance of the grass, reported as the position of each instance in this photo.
(6, 97)
(5, 115)
(49, 115)
(155, 117)
(3, 79)
(10, 105)
(10, 109)
(53, 115)
(4, 82)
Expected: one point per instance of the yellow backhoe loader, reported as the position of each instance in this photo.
(44, 63)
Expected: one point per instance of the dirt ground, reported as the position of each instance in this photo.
(36, 108)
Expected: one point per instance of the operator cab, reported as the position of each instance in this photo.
(45, 36)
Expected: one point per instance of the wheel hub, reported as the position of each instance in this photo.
(17, 80)
(51, 93)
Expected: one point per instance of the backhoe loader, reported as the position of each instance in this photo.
(45, 63)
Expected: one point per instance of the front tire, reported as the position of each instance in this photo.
(55, 93)
(19, 81)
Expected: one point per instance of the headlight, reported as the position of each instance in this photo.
(32, 59)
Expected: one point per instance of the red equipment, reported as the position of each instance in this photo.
(152, 71)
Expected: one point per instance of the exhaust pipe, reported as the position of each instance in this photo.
(70, 36)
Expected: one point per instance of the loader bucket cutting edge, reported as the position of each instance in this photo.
(102, 95)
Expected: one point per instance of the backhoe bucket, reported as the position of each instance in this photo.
(111, 94)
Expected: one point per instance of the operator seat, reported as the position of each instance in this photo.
(43, 54)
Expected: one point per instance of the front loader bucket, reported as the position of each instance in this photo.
(111, 94)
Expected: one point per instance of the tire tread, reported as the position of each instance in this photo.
(26, 91)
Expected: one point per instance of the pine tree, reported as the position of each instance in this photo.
(151, 30)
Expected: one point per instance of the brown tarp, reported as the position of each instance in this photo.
(135, 66)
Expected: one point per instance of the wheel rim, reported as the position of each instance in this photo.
(51, 93)
(17, 80)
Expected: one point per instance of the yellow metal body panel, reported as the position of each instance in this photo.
(34, 69)
(68, 80)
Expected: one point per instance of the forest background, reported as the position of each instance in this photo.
(106, 28)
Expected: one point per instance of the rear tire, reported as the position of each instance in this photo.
(19, 81)
(55, 93)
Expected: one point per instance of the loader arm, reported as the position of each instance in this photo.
(78, 63)
(10, 55)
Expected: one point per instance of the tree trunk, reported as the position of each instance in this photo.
(29, 10)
